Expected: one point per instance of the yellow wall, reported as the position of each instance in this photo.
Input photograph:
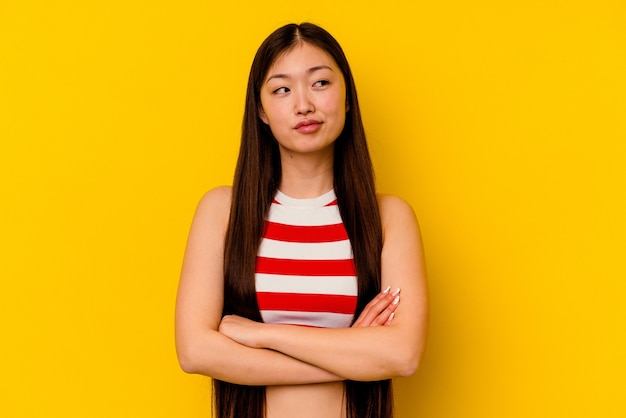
(503, 123)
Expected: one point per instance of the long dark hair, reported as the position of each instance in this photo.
(257, 177)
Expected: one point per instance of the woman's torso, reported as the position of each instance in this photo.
(306, 276)
(305, 272)
(322, 400)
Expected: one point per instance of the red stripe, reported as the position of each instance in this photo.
(300, 233)
(305, 267)
(306, 302)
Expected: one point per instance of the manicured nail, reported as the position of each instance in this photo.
(391, 317)
(396, 300)
(387, 290)
(395, 292)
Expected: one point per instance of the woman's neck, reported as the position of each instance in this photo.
(305, 177)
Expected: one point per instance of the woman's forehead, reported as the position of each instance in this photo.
(301, 58)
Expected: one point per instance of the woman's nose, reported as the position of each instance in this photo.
(303, 104)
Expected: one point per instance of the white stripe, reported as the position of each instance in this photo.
(328, 215)
(314, 319)
(321, 285)
(314, 202)
(338, 250)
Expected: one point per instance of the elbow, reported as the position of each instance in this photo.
(408, 367)
(186, 363)
(187, 360)
(194, 353)
(396, 365)
(409, 357)
(408, 363)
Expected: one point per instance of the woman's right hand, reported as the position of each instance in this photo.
(380, 311)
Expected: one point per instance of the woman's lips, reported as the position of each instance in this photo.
(308, 126)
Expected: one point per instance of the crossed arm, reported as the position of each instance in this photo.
(387, 340)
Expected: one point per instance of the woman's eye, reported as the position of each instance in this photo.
(281, 90)
(321, 83)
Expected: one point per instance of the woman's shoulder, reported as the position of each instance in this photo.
(218, 193)
(391, 205)
(395, 212)
(215, 203)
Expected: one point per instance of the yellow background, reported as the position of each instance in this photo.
(502, 123)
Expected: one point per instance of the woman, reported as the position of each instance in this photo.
(290, 290)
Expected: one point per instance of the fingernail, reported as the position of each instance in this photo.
(395, 292)
(396, 300)
(387, 290)
(391, 317)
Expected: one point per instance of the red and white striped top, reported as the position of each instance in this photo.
(305, 272)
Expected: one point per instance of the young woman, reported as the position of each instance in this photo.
(289, 296)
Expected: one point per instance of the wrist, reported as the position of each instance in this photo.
(266, 337)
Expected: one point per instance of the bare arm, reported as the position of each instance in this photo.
(200, 347)
(362, 353)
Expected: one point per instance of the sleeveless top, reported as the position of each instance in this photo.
(305, 272)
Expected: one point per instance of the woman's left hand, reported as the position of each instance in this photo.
(242, 330)
(380, 311)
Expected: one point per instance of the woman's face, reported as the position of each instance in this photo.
(303, 99)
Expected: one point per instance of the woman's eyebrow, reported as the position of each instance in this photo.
(318, 67)
(309, 71)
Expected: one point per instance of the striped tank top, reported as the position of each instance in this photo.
(305, 272)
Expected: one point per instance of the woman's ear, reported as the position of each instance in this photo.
(263, 116)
